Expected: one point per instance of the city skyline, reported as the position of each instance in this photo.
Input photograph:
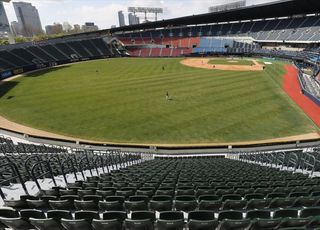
(104, 13)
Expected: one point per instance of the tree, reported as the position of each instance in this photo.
(4, 42)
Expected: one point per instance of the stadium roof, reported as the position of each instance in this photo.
(282, 8)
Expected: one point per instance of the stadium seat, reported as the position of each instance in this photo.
(48, 223)
(185, 203)
(261, 214)
(258, 203)
(86, 215)
(213, 205)
(234, 204)
(7, 213)
(283, 213)
(62, 204)
(254, 196)
(32, 213)
(22, 223)
(202, 220)
(59, 214)
(305, 201)
(170, 220)
(141, 220)
(17, 223)
(147, 191)
(80, 224)
(234, 224)
(282, 203)
(109, 218)
(232, 215)
(38, 204)
(112, 203)
(106, 224)
(86, 205)
(161, 203)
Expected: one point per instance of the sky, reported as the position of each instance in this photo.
(104, 13)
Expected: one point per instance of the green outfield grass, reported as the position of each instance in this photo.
(124, 100)
(235, 61)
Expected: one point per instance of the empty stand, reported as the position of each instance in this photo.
(198, 192)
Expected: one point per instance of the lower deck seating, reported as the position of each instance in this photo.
(63, 51)
(160, 52)
(175, 193)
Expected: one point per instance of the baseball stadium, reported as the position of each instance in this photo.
(202, 122)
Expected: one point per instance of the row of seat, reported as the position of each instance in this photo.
(160, 203)
(197, 220)
(119, 181)
(170, 191)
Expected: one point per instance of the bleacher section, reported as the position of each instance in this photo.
(76, 45)
(177, 47)
(67, 51)
(102, 47)
(91, 47)
(40, 53)
(26, 56)
(290, 29)
(160, 47)
(307, 55)
(31, 56)
(210, 45)
(159, 52)
(13, 59)
(310, 85)
(124, 190)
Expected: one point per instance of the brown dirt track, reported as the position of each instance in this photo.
(204, 64)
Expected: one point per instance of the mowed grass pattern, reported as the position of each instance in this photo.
(125, 102)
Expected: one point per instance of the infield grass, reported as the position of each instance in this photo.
(123, 100)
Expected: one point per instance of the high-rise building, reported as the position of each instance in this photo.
(121, 18)
(56, 28)
(28, 17)
(89, 26)
(66, 27)
(133, 19)
(137, 20)
(4, 23)
(76, 28)
(16, 28)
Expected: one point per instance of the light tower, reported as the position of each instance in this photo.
(146, 10)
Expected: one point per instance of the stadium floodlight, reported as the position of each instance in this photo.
(146, 10)
(228, 6)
